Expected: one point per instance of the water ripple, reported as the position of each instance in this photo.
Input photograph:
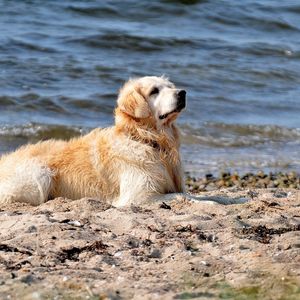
(126, 41)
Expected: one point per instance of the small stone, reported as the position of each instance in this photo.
(243, 247)
(280, 194)
(118, 254)
(133, 243)
(75, 223)
(201, 187)
(211, 187)
(261, 174)
(228, 183)
(209, 176)
(28, 279)
(36, 295)
(253, 194)
(164, 206)
(155, 253)
(31, 229)
(292, 175)
(225, 175)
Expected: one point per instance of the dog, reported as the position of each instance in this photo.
(135, 161)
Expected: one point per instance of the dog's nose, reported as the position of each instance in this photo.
(181, 99)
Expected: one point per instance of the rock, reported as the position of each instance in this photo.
(75, 223)
(31, 229)
(261, 174)
(28, 279)
(292, 176)
(209, 176)
(280, 194)
(133, 243)
(155, 253)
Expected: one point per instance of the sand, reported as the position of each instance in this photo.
(85, 249)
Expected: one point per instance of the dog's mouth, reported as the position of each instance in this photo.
(162, 117)
(177, 110)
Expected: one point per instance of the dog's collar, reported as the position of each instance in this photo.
(155, 145)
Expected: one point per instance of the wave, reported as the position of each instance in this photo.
(210, 134)
(137, 12)
(35, 131)
(94, 11)
(59, 104)
(269, 24)
(236, 135)
(15, 43)
(186, 2)
(123, 40)
(33, 102)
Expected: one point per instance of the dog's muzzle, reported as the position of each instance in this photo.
(180, 105)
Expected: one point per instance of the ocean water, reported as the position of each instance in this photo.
(62, 63)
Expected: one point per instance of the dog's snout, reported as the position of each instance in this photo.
(181, 99)
(181, 94)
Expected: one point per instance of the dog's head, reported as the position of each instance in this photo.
(152, 97)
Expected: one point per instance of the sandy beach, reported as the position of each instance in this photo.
(85, 249)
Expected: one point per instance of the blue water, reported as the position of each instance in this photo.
(62, 63)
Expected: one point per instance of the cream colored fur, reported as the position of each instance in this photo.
(132, 162)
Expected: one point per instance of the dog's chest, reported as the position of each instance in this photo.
(172, 174)
(141, 166)
(159, 174)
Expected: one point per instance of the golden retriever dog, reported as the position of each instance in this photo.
(134, 161)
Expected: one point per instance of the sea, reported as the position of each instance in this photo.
(63, 62)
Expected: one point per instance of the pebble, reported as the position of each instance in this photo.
(75, 223)
(155, 253)
(36, 295)
(118, 254)
(28, 279)
(31, 229)
(133, 243)
(248, 180)
(280, 194)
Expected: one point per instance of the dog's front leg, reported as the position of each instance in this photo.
(133, 189)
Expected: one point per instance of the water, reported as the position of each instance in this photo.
(62, 63)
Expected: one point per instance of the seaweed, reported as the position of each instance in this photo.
(263, 234)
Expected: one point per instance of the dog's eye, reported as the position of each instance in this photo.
(154, 91)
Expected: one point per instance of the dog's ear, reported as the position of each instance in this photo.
(132, 102)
